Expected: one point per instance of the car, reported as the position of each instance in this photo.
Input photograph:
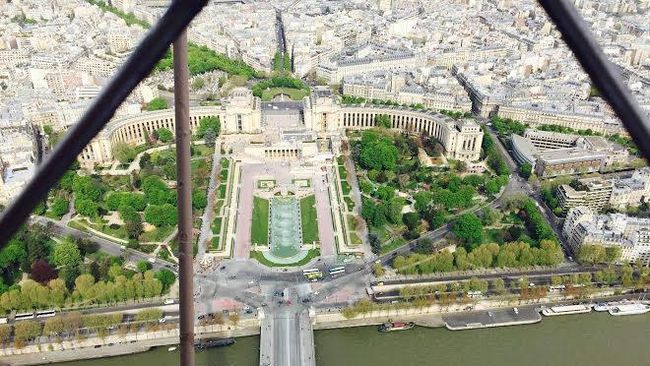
(515, 310)
(162, 320)
(169, 302)
(489, 313)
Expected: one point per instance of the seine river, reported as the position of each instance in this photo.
(589, 340)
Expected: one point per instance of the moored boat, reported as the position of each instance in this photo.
(395, 326)
(213, 342)
(606, 306)
(629, 309)
(566, 310)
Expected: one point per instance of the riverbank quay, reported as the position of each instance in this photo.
(434, 316)
(494, 318)
(117, 344)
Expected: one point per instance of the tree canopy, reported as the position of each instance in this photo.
(377, 151)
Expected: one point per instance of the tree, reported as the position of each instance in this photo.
(591, 254)
(499, 286)
(422, 200)
(143, 266)
(59, 207)
(383, 121)
(123, 152)
(469, 230)
(66, 254)
(160, 215)
(612, 254)
(155, 190)
(526, 170)
(411, 220)
(395, 210)
(375, 244)
(378, 270)
(42, 271)
(157, 104)
(26, 330)
(208, 123)
(198, 83)
(210, 137)
(5, 334)
(377, 151)
(86, 207)
(165, 135)
(166, 278)
(132, 221)
(199, 200)
(234, 319)
(489, 216)
(385, 193)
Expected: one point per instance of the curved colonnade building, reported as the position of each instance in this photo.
(321, 112)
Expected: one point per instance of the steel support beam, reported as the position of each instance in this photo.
(184, 194)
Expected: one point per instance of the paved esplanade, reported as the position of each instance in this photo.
(287, 337)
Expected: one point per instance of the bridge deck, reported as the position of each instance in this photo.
(287, 338)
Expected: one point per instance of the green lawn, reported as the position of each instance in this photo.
(349, 203)
(157, 235)
(342, 172)
(345, 188)
(393, 244)
(216, 225)
(355, 240)
(260, 224)
(309, 219)
(222, 191)
(215, 243)
(295, 94)
(259, 256)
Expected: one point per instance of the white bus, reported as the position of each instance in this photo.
(3, 320)
(474, 294)
(23, 316)
(45, 314)
(337, 270)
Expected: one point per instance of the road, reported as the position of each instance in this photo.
(105, 245)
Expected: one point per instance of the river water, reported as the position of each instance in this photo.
(589, 340)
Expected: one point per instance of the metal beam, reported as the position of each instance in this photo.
(135, 69)
(184, 194)
(603, 73)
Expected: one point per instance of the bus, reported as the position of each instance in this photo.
(314, 276)
(45, 314)
(3, 320)
(334, 271)
(474, 294)
(311, 270)
(23, 316)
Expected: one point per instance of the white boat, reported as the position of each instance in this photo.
(566, 310)
(606, 306)
(171, 349)
(629, 309)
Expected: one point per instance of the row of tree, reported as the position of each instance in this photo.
(509, 255)
(201, 59)
(31, 295)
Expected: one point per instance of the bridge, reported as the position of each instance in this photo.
(287, 337)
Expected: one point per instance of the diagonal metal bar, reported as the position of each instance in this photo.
(135, 69)
(603, 73)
